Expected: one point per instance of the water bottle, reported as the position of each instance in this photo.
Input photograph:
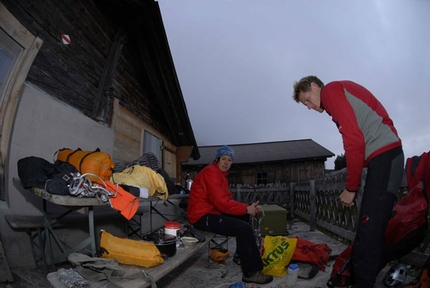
(237, 285)
(188, 183)
(293, 272)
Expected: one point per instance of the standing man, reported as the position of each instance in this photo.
(369, 140)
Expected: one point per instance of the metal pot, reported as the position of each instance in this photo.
(165, 243)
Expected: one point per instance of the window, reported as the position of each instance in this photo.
(151, 143)
(261, 178)
(10, 52)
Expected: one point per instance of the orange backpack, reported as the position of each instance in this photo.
(93, 162)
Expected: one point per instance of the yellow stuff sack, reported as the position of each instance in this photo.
(129, 252)
(278, 251)
(145, 177)
(94, 162)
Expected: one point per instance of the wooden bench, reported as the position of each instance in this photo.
(42, 229)
(32, 222)
(35, 227)
(156, 273)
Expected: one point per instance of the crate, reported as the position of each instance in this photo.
(274, 221)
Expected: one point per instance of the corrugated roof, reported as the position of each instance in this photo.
(266, 152)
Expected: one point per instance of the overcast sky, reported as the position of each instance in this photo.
(237, 61)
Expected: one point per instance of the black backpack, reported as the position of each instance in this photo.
(36, 172)
(63, 177)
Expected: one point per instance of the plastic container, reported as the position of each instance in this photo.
(171, 228)
(293, 272)
(189, 242)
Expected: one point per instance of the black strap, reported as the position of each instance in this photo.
(83, 158)
(68, 156)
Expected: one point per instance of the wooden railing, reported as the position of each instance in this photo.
(316, 202)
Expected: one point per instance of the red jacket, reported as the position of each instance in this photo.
(366, 128)
(210, 195)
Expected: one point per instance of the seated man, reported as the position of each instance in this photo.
(211, 207)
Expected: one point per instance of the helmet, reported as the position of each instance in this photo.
(218, 253)
(396, 275)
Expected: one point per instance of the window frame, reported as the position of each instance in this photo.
(12, 51)
(261, 178)
(31, 45)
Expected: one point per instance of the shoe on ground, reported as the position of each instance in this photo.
(257, 278)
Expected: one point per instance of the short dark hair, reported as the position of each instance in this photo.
(304, 85)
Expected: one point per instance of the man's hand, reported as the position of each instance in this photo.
(347, 198)
(253, 209)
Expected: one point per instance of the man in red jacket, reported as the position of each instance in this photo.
(211, 207)
(369, 140)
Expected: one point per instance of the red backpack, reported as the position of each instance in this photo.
(309, 252)
(342, 273)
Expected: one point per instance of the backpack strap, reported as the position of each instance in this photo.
(83, 158)
(339, 280)
(68, 156)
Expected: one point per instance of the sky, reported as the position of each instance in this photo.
(237, 61)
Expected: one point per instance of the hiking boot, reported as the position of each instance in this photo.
(257, 278)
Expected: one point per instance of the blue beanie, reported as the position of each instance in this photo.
(225, 151)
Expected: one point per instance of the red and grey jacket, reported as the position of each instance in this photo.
(210, 195)
(366, 128)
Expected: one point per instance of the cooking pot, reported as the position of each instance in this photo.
(165, 243)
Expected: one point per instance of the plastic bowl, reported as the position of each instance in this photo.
(189, 241)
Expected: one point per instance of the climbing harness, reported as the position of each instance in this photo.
(255, 223)
(81, 187)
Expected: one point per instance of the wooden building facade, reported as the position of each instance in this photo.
(84, 74)
(265, 163)
(111, 61)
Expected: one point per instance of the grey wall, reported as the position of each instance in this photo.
(42, 126)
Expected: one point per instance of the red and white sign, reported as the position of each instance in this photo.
(65, 39)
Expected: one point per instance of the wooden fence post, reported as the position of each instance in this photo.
(291, 201)
(312, 198)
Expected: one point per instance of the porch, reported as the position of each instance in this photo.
(200, 272)
(312, 207)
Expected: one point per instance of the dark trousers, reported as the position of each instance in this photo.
(383, 179)
(240, 228)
